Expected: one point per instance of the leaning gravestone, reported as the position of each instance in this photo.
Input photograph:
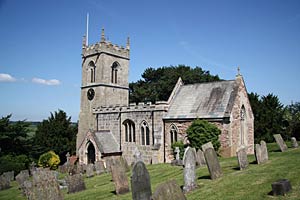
(200, 159)
(44, 186)
(189, 171)
(213, 164)
(4, 182)
(140, 182)
(242, 158)
(119, 178)
(22, 177)
(258, 154)
(90, 170)
(168, 190)
(264, 151)
(206, 146)
(75, 183)
(280, 142)
(99, 167)
(294, 142)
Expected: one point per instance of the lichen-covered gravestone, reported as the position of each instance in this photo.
(294, 142)
(264, 151)
(200, 159)
(22, 177)
(242, 158)
(90, 170)
(75, 183)
(206, 146)
(189, 171)
(280, 142)
(4, 182)
(140, 182)
(213, 164)
(168, 190)
(119, 178)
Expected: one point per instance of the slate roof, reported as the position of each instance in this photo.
(106, 142)
(203, 100)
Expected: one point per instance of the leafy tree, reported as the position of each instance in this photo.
(14, 163)
(201, 132)
(49, 159)
(56, 133)
(157, 84)
(292, 115)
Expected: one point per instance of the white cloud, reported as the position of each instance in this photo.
(6, 78)
(46, 82)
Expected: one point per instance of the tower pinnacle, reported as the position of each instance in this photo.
(102, 35)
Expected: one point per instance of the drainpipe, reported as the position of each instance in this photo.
(164, 141)
(120, 129)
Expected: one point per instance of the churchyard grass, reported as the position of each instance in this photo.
(251, 183)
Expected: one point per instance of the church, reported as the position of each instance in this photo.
(111, 126)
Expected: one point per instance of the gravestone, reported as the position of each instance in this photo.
(32, 168)
(99, 167)
(68, 159)
(75, 183)
(189, 171)
(4, 182)
(140, 182)
(242, 158)
(177, 153)
(258, 154)
(213, 164)
(9, 175)
(200, 159)
(177, 161)
(281, 187)
(280, 142)
(22, 177)
(124, 163)
(264, 151)
(168, 190)
(90, 172)
(137, 155)
(119, 178)
(79, 169)
(206, 146)
(44, 186)
(294, 142)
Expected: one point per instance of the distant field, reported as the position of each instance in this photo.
(31, 130)
(252, 183)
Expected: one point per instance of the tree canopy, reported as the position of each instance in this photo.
(157, 84)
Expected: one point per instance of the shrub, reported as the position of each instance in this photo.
(181, 148)
(13, 163)
(201, 132)
(49, 159)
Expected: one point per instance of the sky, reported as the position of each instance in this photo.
(41, 42)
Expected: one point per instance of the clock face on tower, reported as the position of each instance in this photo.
(90, 94)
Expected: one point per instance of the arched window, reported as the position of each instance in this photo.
(145, 133)
(243, 121)
(129, 130)
(114, 72)
(92, 71)
(173, 133)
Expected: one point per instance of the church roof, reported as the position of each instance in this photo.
(106, 142)
(203, 100)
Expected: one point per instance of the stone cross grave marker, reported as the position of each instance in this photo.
(119, 177)
(294, 142)
(75, 183)
(242, 158)
(177, 151)
(168, 190)
(264, 152)
(206, 146)
(200, 159)
(280, 142)
(213, 164)
(189, 171)
(140, 182)
(90, 170)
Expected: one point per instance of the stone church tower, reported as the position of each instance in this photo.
(105, 69)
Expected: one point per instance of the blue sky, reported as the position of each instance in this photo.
(40, 45)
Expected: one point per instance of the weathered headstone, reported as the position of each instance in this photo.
(9, 175)
(280, 142)
(22, 177)
(281, 187)
(189, 171)
(119, 178)
(44, 186)
(200, 159)
(79, 169)
(242, 158)
(264, 151)
(294, 142)
(4, 182)
(140, 182)
(32, 168)
(213, 164)
(177, 161)
(258, 154)
(206, 146)
(168, 190)
(90, 171)
(137, 155)
(177, 153)
(75, 183)
(124, 163)
(99, 167)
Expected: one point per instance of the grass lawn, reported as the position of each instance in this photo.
(252, 183)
